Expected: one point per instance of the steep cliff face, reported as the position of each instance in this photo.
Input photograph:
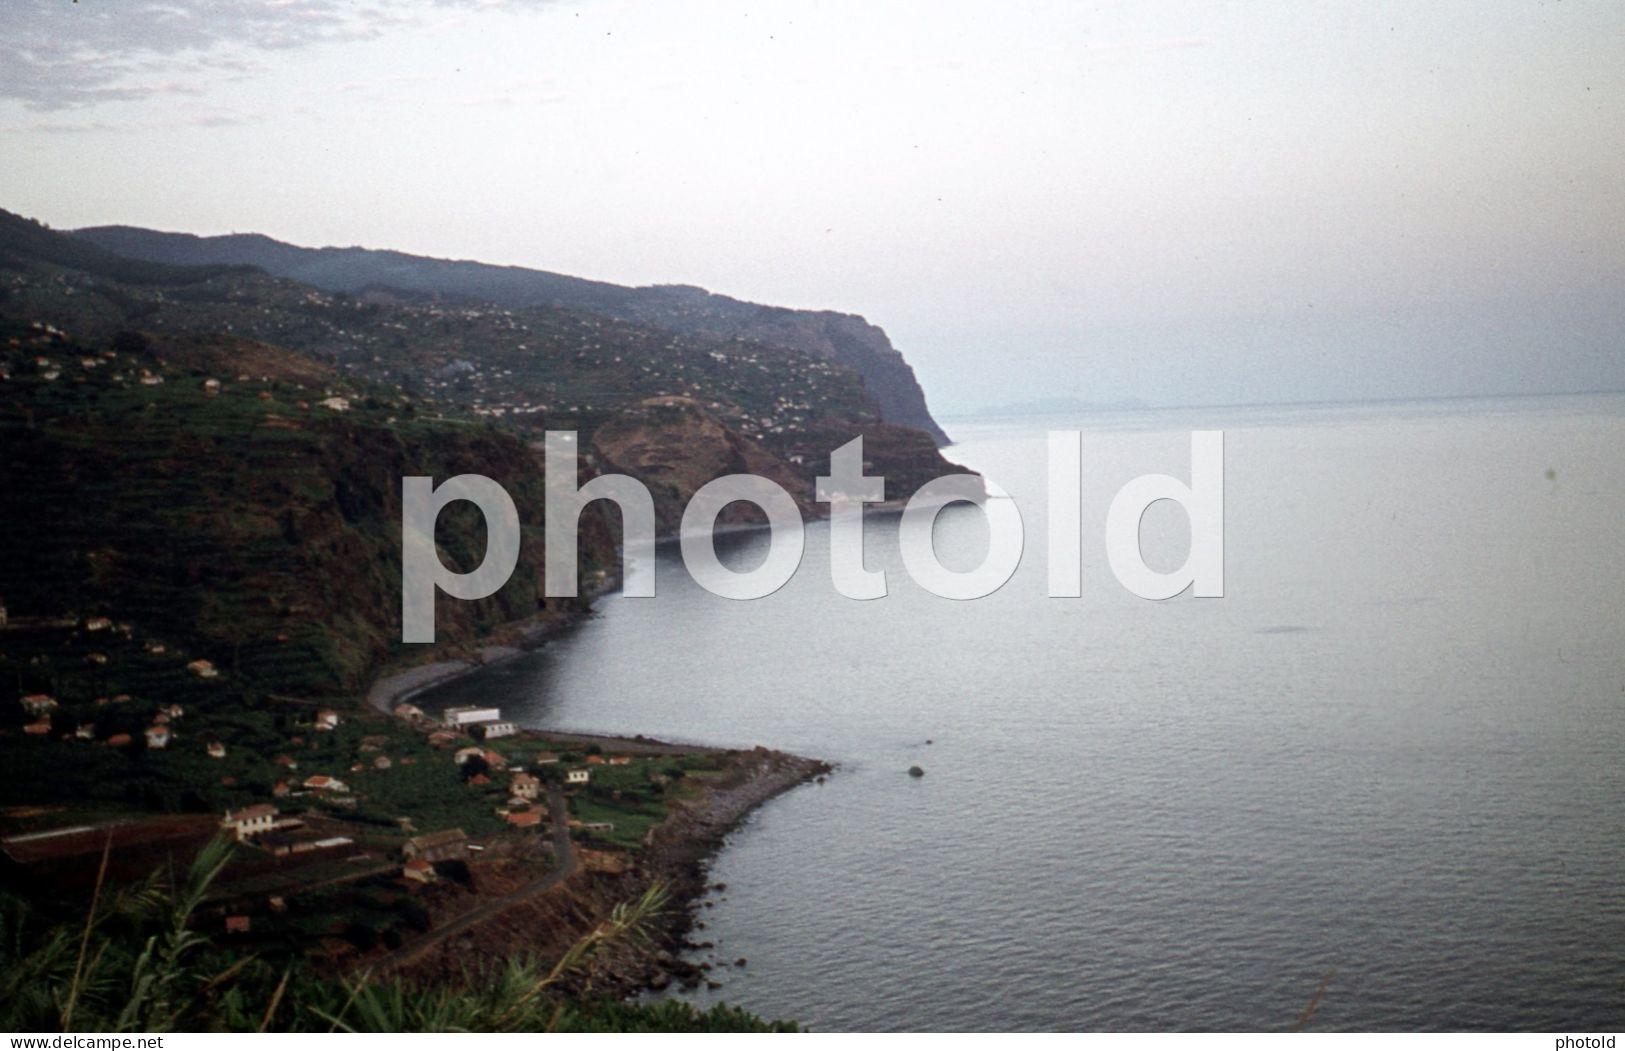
(218, 504)
(843, 338)
(674, 447)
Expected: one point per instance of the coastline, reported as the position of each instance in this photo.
(676, 854)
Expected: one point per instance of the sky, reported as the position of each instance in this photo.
(1167, 203)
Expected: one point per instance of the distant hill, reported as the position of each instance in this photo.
(1061, 406)
(844, 338)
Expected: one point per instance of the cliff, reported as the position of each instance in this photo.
(199, 488)
(843, 338)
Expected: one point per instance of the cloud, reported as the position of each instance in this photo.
(214, 119)
(56, 55)
(52, 127)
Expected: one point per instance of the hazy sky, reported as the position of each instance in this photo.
(1180, 203)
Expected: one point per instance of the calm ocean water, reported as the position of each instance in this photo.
(1394, 753)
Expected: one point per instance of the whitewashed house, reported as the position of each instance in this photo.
(250, 821)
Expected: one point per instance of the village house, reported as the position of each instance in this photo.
(85, 732)
(118, 740)
(250, 821)
(408, 711)
(217, 750)
(174, 711)
(544, 758)
(323, 783)
(203, 669)
(418, 870)
(327, 719)
(495, 760)
(463, 755)
(620, 760)
(237, 924)
(442, 739)
(578, 776)
(525, 786)
(39, 704)
(446, 845)
(595, 760)
(158, 737)
(382, 763)
(491, 731)
(468, 715)
(281, 790)
(525, 819)
(39, 727)
(98, 624)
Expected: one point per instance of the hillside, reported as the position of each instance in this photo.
(843, 338)
(200, 574)
(206, 490)
(216, 453)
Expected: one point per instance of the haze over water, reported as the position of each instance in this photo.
(1391, 754)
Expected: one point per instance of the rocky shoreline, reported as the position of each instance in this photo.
(677, 854)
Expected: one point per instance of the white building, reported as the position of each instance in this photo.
(455, 718)
(490, 731)
(578, 777)
(250, 821)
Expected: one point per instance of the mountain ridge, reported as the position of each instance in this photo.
(846, 339)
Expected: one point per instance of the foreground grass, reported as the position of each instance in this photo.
(137, 963)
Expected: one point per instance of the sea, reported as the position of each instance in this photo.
(1379, 784)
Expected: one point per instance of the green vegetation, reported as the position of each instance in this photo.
(137, 961)
(200, 555)
(260, 533)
